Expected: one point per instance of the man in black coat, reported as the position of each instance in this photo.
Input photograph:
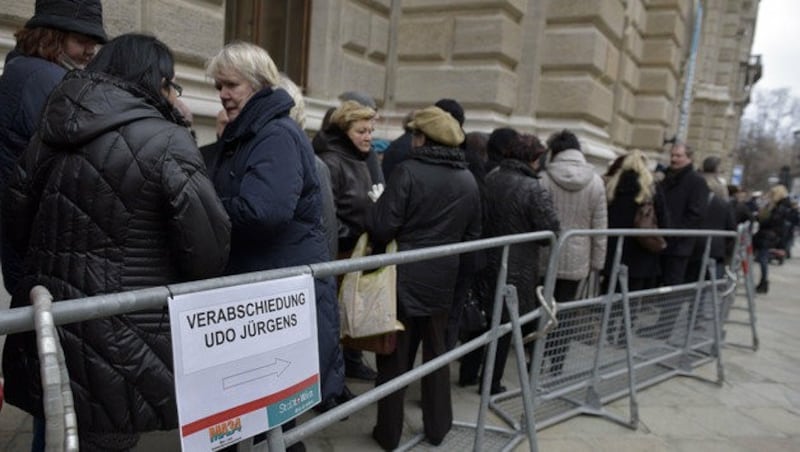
(686, 195)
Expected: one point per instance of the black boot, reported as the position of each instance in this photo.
(763, 286)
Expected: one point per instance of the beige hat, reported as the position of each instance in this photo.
(438, 125)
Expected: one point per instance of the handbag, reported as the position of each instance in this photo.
(645, 218)
(368, 304)
(473, 318)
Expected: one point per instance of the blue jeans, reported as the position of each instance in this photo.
(762, 256)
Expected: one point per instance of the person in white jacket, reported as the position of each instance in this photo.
(580, 201)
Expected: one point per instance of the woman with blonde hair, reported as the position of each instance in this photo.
(264, 172)
(773, 222)
(345, 145)
(627, 189)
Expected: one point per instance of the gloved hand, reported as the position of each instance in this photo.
(375, 192)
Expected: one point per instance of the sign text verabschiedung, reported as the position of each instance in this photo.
(246, 359)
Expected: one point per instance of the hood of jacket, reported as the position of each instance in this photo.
(263, 107)
(570, 171)
(88, 104)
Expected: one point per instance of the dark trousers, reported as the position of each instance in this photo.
(437, 408)
(674, 271)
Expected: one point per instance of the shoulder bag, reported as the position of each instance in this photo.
(645, 218)
(368, 305)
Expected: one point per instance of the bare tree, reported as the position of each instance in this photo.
(766, 138)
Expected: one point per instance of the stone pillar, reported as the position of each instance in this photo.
(580, 69)
(721, 93)
(664, 51)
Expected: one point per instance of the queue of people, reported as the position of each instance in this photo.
(105, 190)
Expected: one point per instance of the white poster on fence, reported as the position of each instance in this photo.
(246, 359)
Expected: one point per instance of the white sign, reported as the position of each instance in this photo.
(245, 359)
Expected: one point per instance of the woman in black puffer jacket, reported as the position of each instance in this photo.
(111, 196)
(515, 203)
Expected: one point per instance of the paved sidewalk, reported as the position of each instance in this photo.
(756, 409)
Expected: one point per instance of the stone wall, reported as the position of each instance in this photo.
(612, 70)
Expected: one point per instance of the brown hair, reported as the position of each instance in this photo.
(42, 42)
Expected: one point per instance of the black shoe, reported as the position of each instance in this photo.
(346, 396)
(763, 287)
(467, 381)
(497, 389)
(360, 371)
(326, 405)
(332, 402)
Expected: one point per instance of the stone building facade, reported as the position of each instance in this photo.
(615, 71)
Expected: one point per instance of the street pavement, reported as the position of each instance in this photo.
(756, 409)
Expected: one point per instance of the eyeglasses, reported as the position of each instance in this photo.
(178, 88)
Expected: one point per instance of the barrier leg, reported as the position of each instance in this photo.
(512, 305)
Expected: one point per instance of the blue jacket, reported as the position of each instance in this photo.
(265, 174)
(24, 87)
(266, 177)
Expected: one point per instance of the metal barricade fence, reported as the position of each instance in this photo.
(68, 311)
(61, 423)
(573, 370)
(741, 271)
(608, 346)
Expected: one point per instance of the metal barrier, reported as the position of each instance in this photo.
(740, 271)
(597, 353)
(596, 356)
(61, 423)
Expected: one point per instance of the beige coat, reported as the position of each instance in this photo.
(580, 201)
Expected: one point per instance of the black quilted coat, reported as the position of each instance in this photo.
(111, 195)
(515, 203)
(431, 199)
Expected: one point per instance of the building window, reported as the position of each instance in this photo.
(279, 26)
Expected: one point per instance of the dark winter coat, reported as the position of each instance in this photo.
(774, 225)
(642, 264)
(351, 180)
(265, 174)
(686, 194)
(396, 153)
(110, 196)
(24, 86)
(515, 203)
(717, 215)
(431, 199)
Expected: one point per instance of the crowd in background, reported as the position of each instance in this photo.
(105, 190)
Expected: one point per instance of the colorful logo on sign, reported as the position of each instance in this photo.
(223, 430)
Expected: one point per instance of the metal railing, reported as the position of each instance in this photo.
(593, 371)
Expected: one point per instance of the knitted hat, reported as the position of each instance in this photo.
(78, 16)
(453, 107)
(360, 97)
(438, 125)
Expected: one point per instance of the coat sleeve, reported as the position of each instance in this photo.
(475, 226)
(599, 221)
(199, 227)
(542, 212)
(389, 214)
(270, 188)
